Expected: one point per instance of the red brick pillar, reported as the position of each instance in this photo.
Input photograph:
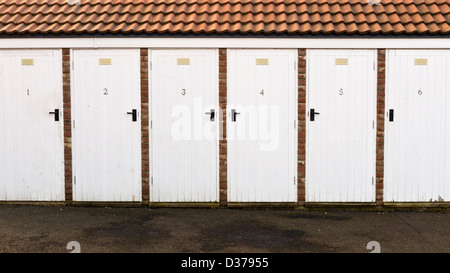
(381, 83)
(67, 124)
(301, 126)
(223, 129)
(145, 146)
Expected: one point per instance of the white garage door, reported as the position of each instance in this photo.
(340, 159)
(262, 126)
(417, 142)
(106, 125)
(31, 126)
(185, 122)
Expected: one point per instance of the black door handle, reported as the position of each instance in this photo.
(56, 113)
(391, 115)
(312, 113)
(134, 113)
(233, 115)
(212, 113)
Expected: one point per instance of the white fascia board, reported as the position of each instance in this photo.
(310, 43)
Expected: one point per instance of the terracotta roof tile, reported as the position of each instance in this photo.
(294, 17)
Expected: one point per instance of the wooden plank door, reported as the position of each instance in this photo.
(417, 145)
(106, 126)
(340, 158)
(185, 124)
(262, 126)
(31, 131)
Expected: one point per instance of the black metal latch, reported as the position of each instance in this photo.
(134, 114)
(233, 115)
(212, 113)
(391, 115)
(56, 113)
(312, 113)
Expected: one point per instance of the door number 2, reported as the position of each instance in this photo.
(105, 92)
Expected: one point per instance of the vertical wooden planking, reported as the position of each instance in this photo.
(31, 140)
(107, 143)
(415, 153)
(445, 185)
(341, 140)
(261, 87)
(185, 83)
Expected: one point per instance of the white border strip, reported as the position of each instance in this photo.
(311, 43)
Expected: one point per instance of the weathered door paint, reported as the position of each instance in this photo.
(340, 144)
(262, 126)
(106, 125)
(417, 126)
(31, 140)
(185, 122)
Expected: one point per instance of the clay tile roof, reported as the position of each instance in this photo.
(267, 17)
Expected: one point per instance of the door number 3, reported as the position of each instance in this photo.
(183, 92)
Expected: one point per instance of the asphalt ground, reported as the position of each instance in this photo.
(49, 229)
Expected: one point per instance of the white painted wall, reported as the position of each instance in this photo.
(263, 43)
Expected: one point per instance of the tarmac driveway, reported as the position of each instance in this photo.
(103, 229)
